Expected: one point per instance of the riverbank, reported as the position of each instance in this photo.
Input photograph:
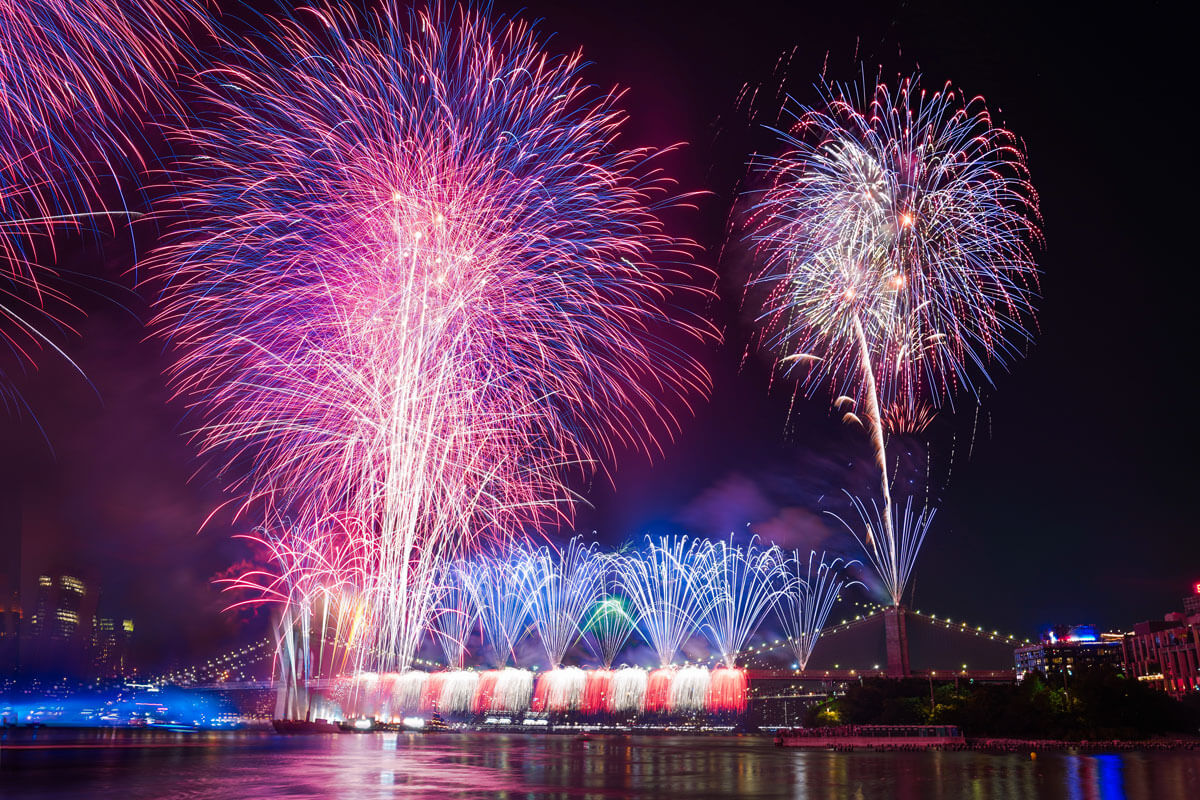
(1084, 746)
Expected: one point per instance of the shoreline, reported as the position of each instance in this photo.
(67, 737)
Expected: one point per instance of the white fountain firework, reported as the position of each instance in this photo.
(807, 598)
(497, 588)
(455, 614)
(664, 585)
(904, 530)
(628, 693)
(689, 690)
(742, 586)
(408, 691)
(561, 587)
(565, 688)
(458, 692)
(513, 692)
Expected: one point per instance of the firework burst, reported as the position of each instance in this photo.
(562, 586)
(896, 236)
(419, 289)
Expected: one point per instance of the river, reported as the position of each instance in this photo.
(197, 766)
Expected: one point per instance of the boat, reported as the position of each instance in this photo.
(874, 737)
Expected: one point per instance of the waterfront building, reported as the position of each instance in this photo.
(1068, 649)
(1166, 653)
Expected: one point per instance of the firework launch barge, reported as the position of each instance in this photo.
(874, 737)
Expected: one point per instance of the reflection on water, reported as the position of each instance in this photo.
(132, 766)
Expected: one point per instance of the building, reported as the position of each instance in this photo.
(110, 646)
(1166, 653)
(57, 631)
(1067, 650)
(1191, 603)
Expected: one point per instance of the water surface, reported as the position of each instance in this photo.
(196, 766)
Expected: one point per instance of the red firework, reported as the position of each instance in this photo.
(596, 691)
(658, 690)
(727, 690)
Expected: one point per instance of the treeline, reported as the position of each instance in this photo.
(1093, 704)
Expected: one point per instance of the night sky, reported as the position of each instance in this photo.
(1074, 505)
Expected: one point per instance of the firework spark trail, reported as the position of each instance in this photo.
(456, 613)
(896, 234)
(608, 627)
(807, 599)
(909, 530)
(562, 586)
(419, 288)
(499, 591)
(742, 586)
(70, 71)
(663, 584)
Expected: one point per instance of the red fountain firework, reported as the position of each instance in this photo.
(597, 692)
(658, 690)
(419, 287)
(432, 695)
(485, 692)
(727, 690)
(896, 234)
(540, 692)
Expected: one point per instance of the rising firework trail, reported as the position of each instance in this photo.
(807, 598)
(896, 236)
(419, 288)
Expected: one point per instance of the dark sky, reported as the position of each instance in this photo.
(1074, 504)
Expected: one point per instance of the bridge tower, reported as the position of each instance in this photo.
(896, 634)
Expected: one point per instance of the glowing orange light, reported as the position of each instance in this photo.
(906, 220)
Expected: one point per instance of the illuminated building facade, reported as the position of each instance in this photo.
(110, 646)
(58, 626)
(1067, 650)
(1166, 653)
